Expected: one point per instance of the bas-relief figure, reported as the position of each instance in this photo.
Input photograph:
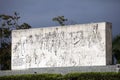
(84, 45)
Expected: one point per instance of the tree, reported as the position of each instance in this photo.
(60, 19)
(116, 48)
(7, 24)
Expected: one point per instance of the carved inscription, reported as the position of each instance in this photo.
(58, 47)
(18, 62)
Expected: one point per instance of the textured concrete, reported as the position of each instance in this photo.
(73, 45)
(63, 70)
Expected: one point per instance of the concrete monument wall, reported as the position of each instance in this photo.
(67, 46)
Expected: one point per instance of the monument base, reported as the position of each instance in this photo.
(63, 70)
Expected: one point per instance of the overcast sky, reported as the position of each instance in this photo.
(39, 13)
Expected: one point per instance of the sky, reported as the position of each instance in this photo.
(39, 13)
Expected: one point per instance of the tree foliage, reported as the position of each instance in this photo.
(116, 47)
(60, 19)
(7, 24)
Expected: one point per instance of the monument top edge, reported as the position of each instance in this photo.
(92, 23)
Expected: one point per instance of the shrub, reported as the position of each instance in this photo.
(92, 76)
(69, 76)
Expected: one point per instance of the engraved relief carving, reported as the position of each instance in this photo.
(59, 48)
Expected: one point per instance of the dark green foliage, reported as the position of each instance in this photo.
(33, 77)
(116, 43)
(70, 76)
(24, 26)
(60, 19)
(116, 47)
(92, 76)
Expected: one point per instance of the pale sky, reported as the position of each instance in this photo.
(39, 13)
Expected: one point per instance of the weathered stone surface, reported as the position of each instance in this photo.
(74, 45)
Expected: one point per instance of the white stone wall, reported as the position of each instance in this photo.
(73, 45)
